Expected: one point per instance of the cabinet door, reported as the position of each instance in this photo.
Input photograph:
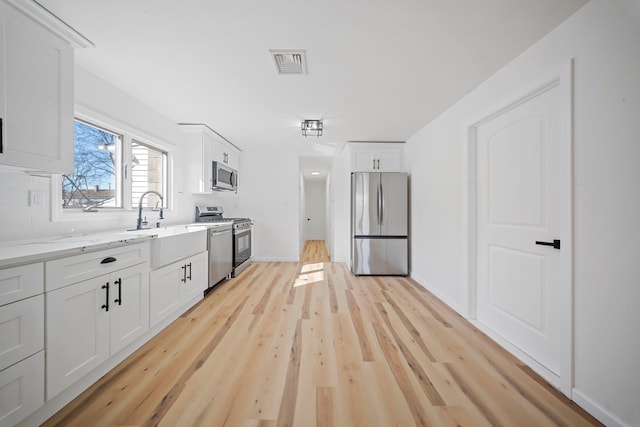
(197, 277)
(130, 301)
(77, 337)
(21, 282)
(21, 389)
(164, 291)
(389, 160)
(363, 160)
(208, 154)
(37, 92)
(21, 330)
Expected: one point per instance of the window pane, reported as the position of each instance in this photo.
(148, 173)
(95, 179)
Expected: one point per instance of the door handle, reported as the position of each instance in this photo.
(189, 276)
(381, 203)
(555, 243)
(379, 211)
(184, 274)
(106, 304)
(119, 299)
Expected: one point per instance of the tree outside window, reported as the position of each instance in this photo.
(93, 182)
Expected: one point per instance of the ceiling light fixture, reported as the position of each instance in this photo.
(315, 173)
(312, 127)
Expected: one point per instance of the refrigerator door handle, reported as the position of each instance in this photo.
(381, 204)
(378, 210)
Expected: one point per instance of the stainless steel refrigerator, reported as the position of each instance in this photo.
(379, 223)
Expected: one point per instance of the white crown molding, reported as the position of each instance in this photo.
(39, 13)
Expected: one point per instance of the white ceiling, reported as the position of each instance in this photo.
(377, 70)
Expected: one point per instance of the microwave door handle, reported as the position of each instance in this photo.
(232, 178)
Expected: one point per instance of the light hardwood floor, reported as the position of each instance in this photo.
(309, 344)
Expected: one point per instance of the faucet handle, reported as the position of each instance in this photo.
(144, 221)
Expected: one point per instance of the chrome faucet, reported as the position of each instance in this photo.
(139, 223)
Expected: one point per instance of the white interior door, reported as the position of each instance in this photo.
(315, 216)
(524, 197)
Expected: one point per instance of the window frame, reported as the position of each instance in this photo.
(129, 133)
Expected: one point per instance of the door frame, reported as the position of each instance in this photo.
(561, 77)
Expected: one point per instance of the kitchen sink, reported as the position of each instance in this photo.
(174, 242)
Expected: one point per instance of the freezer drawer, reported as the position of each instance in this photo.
(380, 256)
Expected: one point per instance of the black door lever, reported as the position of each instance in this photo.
(555, 244)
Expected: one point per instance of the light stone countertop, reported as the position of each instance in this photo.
(35, 250)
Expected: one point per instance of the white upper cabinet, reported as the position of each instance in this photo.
(203, 147)
(377, 157)
(223, 152)
(36, 90)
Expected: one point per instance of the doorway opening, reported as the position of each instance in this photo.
(315, 207)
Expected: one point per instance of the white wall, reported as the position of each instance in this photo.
(269, 193)
(340, 199)
(20, 221)
(328, 227)
(605, 45)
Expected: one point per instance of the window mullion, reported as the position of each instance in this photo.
(126, 174)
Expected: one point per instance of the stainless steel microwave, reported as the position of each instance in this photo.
(223, 177)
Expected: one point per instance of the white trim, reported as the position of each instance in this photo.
(109, 122)
(440, 295)
(44, 17)
(274, 259)
(539, 369)
(128, 133)
(201, 127)
(601, 414)
(562, 77)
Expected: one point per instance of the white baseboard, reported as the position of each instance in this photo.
(441, 295)
(272, 259)
(602, 415)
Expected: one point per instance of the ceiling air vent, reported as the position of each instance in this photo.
(289, 61)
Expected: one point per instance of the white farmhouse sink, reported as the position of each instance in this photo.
(175, 242)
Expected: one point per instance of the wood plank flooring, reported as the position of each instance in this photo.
(309, 344)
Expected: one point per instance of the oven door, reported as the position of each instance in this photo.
(241, 246)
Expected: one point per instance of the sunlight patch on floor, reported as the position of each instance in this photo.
(310, 273)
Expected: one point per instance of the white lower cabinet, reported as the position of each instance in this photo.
(175, 284)
(21, 342)
(89, 321)
(21, 389)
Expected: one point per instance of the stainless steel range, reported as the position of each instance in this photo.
(242, 234)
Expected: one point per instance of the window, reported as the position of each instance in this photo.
(94, 181)
(148, 173)
(112, 170)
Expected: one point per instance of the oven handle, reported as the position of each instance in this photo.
(240, 231)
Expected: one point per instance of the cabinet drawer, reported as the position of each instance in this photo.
(21, 282)
(73, 269)
(21, 330)
(21, 389)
